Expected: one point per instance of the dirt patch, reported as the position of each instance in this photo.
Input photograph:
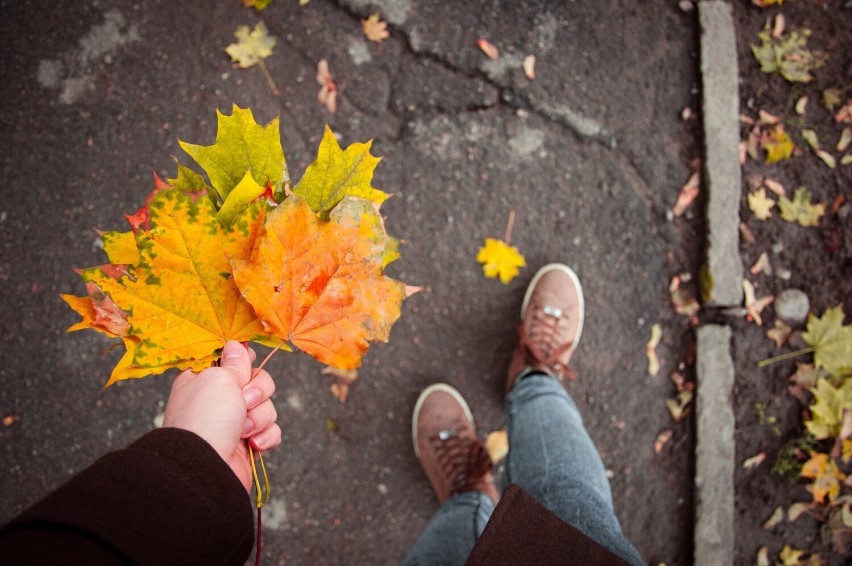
(816, 260)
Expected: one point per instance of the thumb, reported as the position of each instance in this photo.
(236, 359)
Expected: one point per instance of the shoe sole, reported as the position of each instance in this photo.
(570, 273)
(419, 405)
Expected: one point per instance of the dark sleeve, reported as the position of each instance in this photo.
(522, 531)
(168, 498)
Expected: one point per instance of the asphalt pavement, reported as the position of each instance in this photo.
(590, 154)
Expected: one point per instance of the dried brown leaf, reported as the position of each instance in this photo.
(529, 67)
(687, 194)
(779, 334)
(488, 48)
(375, 29)
(662, 439)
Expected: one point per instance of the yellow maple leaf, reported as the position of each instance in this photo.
(778, 144)
(499, 259)
(826, 475)
(800, 208)
(180, 300)
(337, 173)
(760, 204)
(375, 29)
(252, 45)
(320, 284)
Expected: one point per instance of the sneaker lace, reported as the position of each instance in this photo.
(545, 343)
(463, 459)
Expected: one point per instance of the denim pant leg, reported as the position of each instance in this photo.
(553, 458)
(452, 531)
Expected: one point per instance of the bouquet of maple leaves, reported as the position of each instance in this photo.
(248, 258)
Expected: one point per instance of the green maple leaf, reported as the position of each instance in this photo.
(800, 208)
(338, 173)
(787, 55)
(832, 341)
(241, 145)
(827, 408)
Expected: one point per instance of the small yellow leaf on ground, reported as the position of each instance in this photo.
(375, 29)
(760, 205)
(499, 259)
(801, 104)
(762, 554)
(252, 45)
(800, 208)
(845, 139)
(810, 136)
(497, 444)
(827, 158)
(777, 144)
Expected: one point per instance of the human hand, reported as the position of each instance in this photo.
(227, 408)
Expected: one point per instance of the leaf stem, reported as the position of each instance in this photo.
(269, 80)
(267, 358)
(509, 225)
(787, 356)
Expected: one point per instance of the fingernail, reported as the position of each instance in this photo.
(252, 396)
(258, 442)
(233, 351)
(248, 426)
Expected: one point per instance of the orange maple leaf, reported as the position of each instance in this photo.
(826, 475)
(320, 284)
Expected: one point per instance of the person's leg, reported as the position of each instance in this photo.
(551, 455)
(459, 469)
(553, 458)
(451, 533)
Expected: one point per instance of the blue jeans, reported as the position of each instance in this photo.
(553, 458)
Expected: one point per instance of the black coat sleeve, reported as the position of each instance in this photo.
(168, 498)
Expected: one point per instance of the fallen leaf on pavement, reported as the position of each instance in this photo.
(827, 158)
(844, 115)
(774, 520)
(845, 139)
(801, 104)
(684, 303)
(651, 349)
(760, 205)
(497, 444)
(846, 160)
(11, 419)
(488, 48)
(810, 136)
(826, 475)
(764, 118)
(787, 54)
(777, 144)
(806, 375)
(800, 208)
(499, 259)
(679, 406)
(779, 334)
(662, 439)
(342, 379)
(747, 234)
(832, 341)
(327, 94)
(375, 29)
(795, 511)
(774, 186)
(753, 305)
(529, 67)
(754, 461)
(763, 553)
(256, 4)
(687, 194)
(252, 45)
(762, 265)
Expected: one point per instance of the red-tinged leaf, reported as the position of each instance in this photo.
(488, 48)
(327, 94)
(662, 439)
